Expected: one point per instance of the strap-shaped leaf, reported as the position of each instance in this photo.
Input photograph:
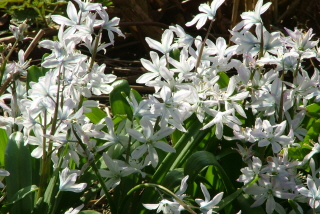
(18, 163)
(228, 200)
(22, 193)
(34, 73)
(119, 105)
(3, 145)
(314, 110)
(173, 178)
(95, 115)
(313, 132)
(244, 202)
(198, 161)
(223, 80)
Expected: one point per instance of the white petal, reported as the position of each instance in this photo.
(151, 206)
(164, 146)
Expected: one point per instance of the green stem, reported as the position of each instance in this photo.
(165, 190)
(202, 46)
(42, 183)
(252, 182)
(96, 171)
(56, 202)
(129, 145)
(95, 48)
(55, 178)
(45, 169)
(55, 114)
(295, 73)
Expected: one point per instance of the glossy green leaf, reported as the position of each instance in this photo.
(119, 105)
(223, 80)
(18, 163)
(95, 115)
(175, 54)
(22, 193)
(137, 95)
(244, 202)
(173, 178)
(228, 200)
(313, 132)
(198, 161)
(34, 73)
(3, 145)
(45, 203)
(298, 153)
(314, 110)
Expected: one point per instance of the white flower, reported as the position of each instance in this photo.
(206, 205)
(110, 25)
(250, 172)
(117, 170)
(266, 192)
(313, 193)
(275, 138)
(150, 141)
(166, 206)
(166, 42)
(301, 41)
(171, 106)
(86, 6)
(112, 137)
(170, 207)
(222, 118)
(74, 210)
(185, 40)
(253, 17)
(68, 180)
(153, 67)
(72, 14)
(209, 12)
(18, 31)
(3, 173)
(315, 149)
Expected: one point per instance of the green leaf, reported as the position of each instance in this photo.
(173, 178)
(313, 132)
(44, 204)
(298, 153)
(119, 105)
(3, 145)
(244, 202)
(230, 198)
(22, 193)
(314, 110)
(175, 54)
(223, 80)
(198, 161)
(137, 95)
(95, 115)
(18, 163)
(34, 73)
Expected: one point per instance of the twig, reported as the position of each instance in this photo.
(33, 43)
